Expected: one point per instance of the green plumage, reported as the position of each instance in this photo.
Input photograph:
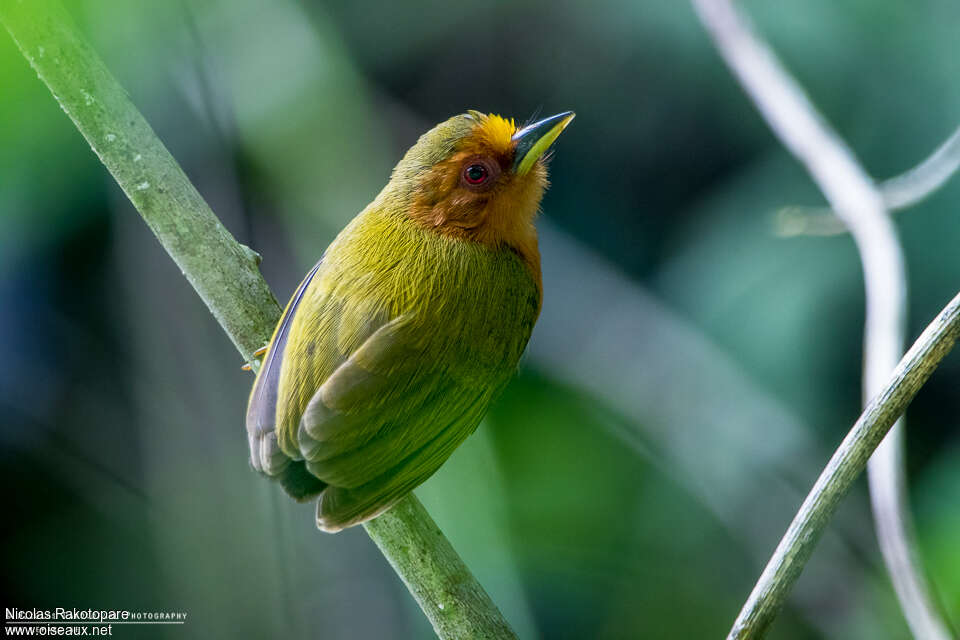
(389, 354)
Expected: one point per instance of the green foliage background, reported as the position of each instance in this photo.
(689, 376)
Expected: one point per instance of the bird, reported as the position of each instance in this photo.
(413, 321)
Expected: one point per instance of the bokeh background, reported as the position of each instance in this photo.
(690, 374)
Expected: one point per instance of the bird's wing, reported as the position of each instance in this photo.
(265, 453)
(387, 418)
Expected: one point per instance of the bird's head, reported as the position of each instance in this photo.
(479, 177)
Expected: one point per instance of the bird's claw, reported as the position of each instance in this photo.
(256, 354)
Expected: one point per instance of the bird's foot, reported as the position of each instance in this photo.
(256, 354)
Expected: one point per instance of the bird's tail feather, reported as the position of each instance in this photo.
(299, 483)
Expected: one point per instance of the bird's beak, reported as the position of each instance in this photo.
(533, 140)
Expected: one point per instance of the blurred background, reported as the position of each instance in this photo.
(689, 377)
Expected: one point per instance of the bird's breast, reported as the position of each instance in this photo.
(471, 300)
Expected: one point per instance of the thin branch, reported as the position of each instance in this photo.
(435, 575)
(860, 206)
(846, 464)
(226, 276)
(900, 192)
(911, 187)
(222, 271)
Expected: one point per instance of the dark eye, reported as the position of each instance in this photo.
(479, 173)
(475, 174)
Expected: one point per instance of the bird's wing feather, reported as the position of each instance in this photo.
(387, 418)
(265, 453)
(341, 507)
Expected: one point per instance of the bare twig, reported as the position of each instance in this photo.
(599, 331)
(226, 276)
(846, 464)
(911, 187)
(900, 192)
(860, 206)
(456, 604)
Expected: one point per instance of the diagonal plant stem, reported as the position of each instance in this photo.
(226, 276)
(860, 206)
(900, 192)
(846, 464)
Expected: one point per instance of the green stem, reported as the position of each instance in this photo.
(847, 463)
(222, 271)
(456, 604)
(226, 276)
(856, 200)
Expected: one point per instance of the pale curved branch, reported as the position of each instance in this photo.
(226, 276)
(860, 205)
(900, 192)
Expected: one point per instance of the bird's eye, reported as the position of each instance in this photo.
(479, 173)
(475, 174)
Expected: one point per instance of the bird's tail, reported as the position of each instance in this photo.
(300, 484)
